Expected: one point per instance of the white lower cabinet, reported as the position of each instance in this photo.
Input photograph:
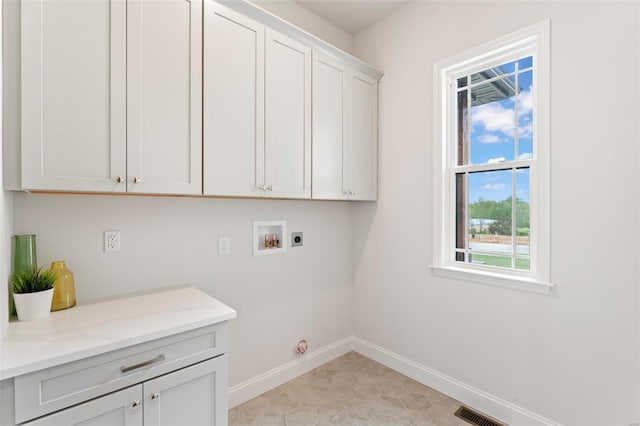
(176, 380)
(194, 396)
(110, 410)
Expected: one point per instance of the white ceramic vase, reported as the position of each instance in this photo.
(33, 306)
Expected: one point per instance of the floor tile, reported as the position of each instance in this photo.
(351, 390)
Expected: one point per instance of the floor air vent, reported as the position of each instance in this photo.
(475, 418)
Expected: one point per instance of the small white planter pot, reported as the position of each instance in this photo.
(33, 306)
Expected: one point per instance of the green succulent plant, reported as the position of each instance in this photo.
(32, 280)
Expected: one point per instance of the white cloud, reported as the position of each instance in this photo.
(525, 104)
(489, 138)
(525, 156)
(525, 130)
(496, 160)
(494, 117)
(495, 186)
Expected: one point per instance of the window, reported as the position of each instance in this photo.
(491, 146)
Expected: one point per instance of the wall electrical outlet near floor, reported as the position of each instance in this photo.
(111, 241)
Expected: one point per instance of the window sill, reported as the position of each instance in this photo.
(495, 279)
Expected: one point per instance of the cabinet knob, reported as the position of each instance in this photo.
(154, 395)
(135, 403)
(260, 187)
(352, 192)
(269, 188)
(119, 179)
(136, 179)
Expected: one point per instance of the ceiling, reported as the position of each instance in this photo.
(352, 16)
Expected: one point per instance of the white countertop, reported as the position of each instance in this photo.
(95, 328)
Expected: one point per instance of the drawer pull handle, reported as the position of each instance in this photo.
(125, 369)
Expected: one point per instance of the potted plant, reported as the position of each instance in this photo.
(32, 293)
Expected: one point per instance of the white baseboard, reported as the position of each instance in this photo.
(484, 402)
(273, 378)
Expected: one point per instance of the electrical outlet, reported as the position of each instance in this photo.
(224, 246)
(111, 241)
(296, 239)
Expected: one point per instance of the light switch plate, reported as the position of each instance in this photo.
(224, 246)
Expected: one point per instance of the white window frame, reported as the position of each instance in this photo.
(529, 41)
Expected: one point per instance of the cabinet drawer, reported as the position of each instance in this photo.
(52, 389)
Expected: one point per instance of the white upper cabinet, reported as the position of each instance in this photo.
(329, 78)
(345, 138)
(233, 103)
(183, 97)
(287, 117)
(111, 96)
(361, 151)
(164, 96)
(73, 95)
(257, 109)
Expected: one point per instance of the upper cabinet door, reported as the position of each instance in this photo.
(233, 103)
(329, 79)
(164, 101)
(73, 95)
(287, 117)
(362, 135)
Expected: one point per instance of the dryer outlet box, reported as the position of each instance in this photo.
(296, 239)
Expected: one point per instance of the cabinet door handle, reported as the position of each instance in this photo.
(260, 187)
(154, 395)
(269, 188)
(135, 403)
(119, 179)
(136, 180)
(125, 369)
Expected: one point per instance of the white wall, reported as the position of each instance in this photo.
(302, 18)
(304, 292)
(572, 356)
(6, 220)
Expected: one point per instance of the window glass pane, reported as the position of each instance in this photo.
(462, 82)
(525, 63)
(493, 72)
(493, 121)
(460, 210)
(525, 115)
(463, 128)
(523, 214)
(490, 218)
(503, 261)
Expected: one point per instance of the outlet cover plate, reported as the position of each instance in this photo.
(111, 241)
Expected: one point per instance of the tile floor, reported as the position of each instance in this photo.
(350, 390)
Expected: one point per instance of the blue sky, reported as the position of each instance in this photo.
(493, 133)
